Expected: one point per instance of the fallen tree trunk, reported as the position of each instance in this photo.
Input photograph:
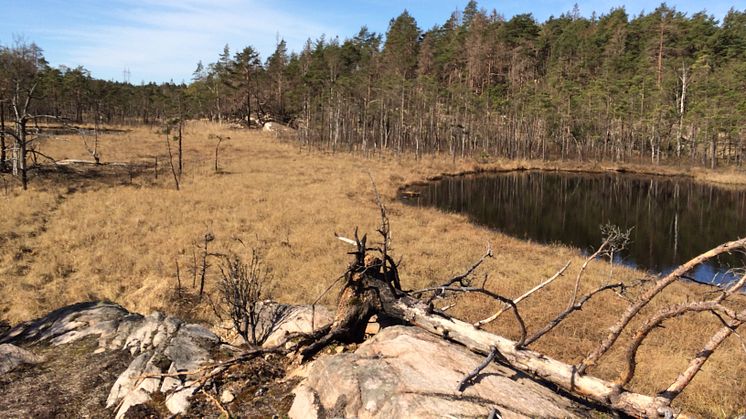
(69, 162)
(372, 288)
(368, 292)
(534, 363)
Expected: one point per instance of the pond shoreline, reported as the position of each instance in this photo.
(665, 213)
(730, 179)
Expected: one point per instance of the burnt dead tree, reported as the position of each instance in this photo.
(241, 289)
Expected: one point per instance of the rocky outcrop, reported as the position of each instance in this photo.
(406, 372)
(99, 360)
(157, 344)
(277, 129)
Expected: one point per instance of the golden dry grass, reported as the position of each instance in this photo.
(112, 233)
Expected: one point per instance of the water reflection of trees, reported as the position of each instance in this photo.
(674, 219)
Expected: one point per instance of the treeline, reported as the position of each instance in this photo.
(658, 86)
(653, 87)
(71, 94)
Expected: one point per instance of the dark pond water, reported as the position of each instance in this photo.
(674, 219)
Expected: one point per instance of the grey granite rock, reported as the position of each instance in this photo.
(406, 372)
(159, 344)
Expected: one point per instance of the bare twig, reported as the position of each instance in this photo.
(320, 296)
(578, 305)
(448, 307)
(217, 150)
(217, 403)
(390, 271)
(208, 237)
(460, 278)
(615, 240)
(469, 377)
(582, 270)
(345, 239)
(39, 153)
(522, 297)
(171, 161)
(178, 277)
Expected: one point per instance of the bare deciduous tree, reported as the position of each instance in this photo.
(21, 67)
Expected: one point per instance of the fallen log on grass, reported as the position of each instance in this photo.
(371, 287)
(367, 291)
(531, 362)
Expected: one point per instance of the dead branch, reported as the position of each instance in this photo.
(469, 377)
(528, 361)
(672, 312)
(582, 271)
(208, 237)
(217, 403)
(646, 297)
(695, 365)
(217, 150)
(345, 239)
(178, 277)
(614, 240)
(93, 151)
(390, 269)
(460, 278)
(69, 162)
(194, 265)
(522, 297)
(578, 305)
(39, 153)
(320, 296)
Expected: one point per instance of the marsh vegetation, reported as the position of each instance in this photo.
(84, 232)
(137, 194)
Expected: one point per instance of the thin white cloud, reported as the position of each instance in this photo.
(164, 39)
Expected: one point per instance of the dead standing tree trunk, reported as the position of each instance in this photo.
(3, 146)
(174, 171)
(20, 104)
(217, 151)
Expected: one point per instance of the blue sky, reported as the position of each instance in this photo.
(159, 40)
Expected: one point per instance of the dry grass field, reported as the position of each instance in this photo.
(117, 233)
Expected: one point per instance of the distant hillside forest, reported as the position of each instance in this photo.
(660, 86)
